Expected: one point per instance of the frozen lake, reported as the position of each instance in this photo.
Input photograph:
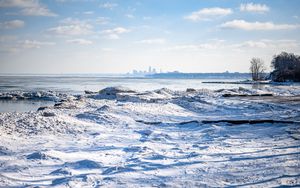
(219, 135)
(77, 84)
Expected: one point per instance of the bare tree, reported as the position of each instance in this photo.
(257, 69)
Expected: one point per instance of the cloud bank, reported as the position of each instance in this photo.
(12, 24)
(251, 7)
(208, 14)
(28, 7)
(250, 26)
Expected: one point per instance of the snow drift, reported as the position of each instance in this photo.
(121, 137)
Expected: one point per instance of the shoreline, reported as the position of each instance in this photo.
(251, 82)
(121, 136)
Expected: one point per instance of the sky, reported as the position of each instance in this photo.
(117, 36)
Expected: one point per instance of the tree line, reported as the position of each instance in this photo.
(285, 66)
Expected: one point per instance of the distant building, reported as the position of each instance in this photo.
(143, 72)
(153, 70)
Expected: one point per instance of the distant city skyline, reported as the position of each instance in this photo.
(115, 36)
(150, 70)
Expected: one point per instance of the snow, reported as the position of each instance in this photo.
(119, 137)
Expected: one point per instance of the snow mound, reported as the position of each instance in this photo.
(150, 96)
(36, 95)
(69, 181)
(81, 180)
(61, 171)
(104, 108)
(110, 92)
(128, 95)
(117, 170)
(114, 90)
(4, 151)
(35, 123)
(40, 156)
(166, 92)
(83, 164)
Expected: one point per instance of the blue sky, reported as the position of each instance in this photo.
(98, 36)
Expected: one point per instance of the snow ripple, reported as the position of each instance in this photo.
(121, 138)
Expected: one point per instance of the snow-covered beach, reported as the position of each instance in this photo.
(115, 93)
(119, 137)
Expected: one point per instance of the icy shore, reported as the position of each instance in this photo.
(120, 137)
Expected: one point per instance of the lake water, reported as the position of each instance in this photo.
(77, 85)
(22, 105)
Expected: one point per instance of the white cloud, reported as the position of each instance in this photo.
(29, 44)
(182, 47)
(244, 25)
(152, 41)
(117, 30)
(37, 11)
(256, 45)
(88, 12)
(7, 38)
(208, 14)
(108, 5)
(251, 7)
(114, 33)
(12, 24)
(72, 30)
(74, 27)
(28, 7)
(72, 21)
(107, 49)
(268, 44)
(19, 3)
(9, 50)
(129, 16)
(80, 41)
(215, 44)
(112, 36)
(10, 45)
(102, 20)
